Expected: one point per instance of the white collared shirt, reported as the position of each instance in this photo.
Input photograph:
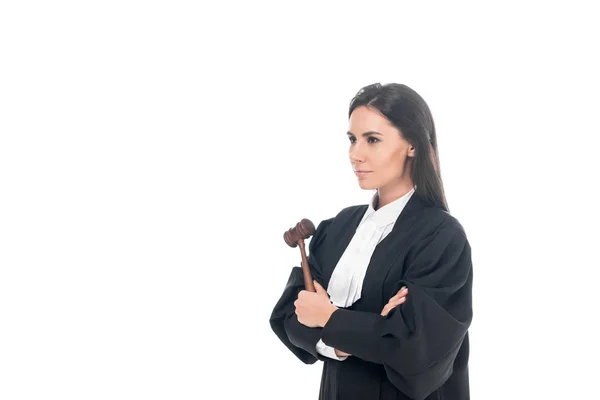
(346, 281)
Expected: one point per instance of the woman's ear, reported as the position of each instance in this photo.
(411, 151)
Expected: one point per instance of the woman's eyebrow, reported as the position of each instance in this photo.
(366, 133)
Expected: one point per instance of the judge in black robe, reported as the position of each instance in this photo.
(420, 349)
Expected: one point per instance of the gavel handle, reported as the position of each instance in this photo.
(308, 280)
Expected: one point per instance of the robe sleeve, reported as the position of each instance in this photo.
(417, 341)
(299, 339)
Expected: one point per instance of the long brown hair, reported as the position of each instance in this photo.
(410, 114)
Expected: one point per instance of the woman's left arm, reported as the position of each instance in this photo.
(418, 341)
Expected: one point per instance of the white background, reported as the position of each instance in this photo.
(153, 153)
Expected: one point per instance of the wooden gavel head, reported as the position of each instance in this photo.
(303, 230)
(295, 236)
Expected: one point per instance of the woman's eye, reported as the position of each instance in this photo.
(370, 139)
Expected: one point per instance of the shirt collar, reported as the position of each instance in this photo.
(389, 213)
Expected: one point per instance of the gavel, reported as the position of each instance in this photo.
(295, 237)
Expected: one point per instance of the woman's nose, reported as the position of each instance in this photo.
(357, 154)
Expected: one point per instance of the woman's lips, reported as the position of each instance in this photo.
(362, 173)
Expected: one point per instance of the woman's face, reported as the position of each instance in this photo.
(379, 154)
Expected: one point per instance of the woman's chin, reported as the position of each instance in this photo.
(366, 186)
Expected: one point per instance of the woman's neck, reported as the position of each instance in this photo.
(386, 195)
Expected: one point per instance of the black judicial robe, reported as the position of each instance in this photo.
(418, 351)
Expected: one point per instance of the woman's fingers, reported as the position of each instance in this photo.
(393, 303)
(398, 299)
(401, 293)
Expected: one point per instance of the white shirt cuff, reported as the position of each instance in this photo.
(328, 351)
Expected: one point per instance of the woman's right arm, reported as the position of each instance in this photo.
(299, 339)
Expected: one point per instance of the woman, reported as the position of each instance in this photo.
(392, 308)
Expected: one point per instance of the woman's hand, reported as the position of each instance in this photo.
(398, 299)
(340, 353)
(314, 309)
